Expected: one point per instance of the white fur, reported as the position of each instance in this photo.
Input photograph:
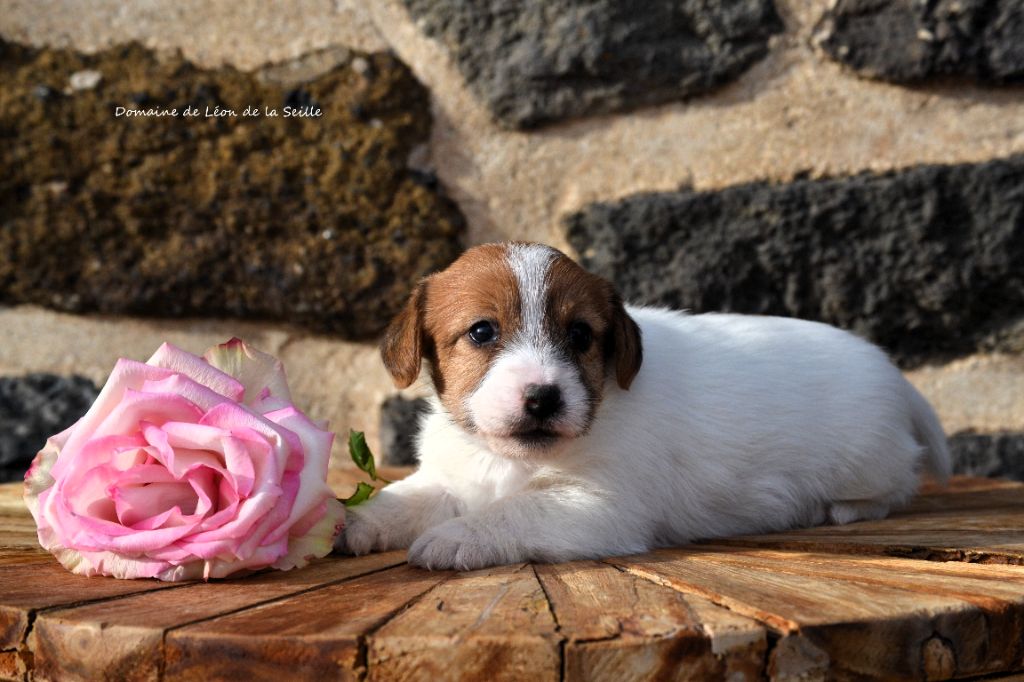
(530, 264)
(734, 425)
(498, 401)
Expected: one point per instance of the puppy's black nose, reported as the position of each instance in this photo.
(542, 400)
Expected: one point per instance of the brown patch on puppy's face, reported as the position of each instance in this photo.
(519, 340)
(583, 313)
(478, 288)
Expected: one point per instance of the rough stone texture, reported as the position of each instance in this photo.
(314, 220)
(33, 408)
(998, 455)
(909, 41)
(244, 33)
(538, 61)
(399, 426)
(339, 381)
(794, 112)
(924, 262)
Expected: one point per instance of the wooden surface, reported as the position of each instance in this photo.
(933, 592)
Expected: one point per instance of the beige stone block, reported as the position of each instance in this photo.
(981, 392)
(244, 33)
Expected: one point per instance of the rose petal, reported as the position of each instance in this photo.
(232, 533)
(243, 423)
(127, 374)
(204, 482)
(234, 446)
(87, 496)
(149, 506)
(117, 452)
(197, 369)
(267, 531)
(178, 461)
(176, 384)
(192, 570)
(239, 461)
(93, 534)
(139, 542)
(38, 478)
(269, 404)
(261, 374)
(261, 558)
(227, 506)
(119, 566)
(318, 541)
(317, 452)
(153, 408)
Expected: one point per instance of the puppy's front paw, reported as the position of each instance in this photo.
(361, 535)
(456, 544)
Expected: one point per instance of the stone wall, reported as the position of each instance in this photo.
(857, 161)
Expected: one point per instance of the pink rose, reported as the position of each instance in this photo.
(187, 467)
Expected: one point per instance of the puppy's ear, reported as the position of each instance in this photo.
(627, 349)
(402, 346)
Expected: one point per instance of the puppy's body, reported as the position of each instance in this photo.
(732, 425)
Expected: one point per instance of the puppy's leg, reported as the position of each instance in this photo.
(395, 516)
(902, 485)
(537, 525)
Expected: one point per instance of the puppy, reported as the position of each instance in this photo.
(569, 426)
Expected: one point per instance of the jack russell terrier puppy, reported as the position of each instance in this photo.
(570, 426)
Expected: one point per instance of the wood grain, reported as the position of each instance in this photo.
(27, 588)
(1003, 547)
(837, 623)
(621, 627)
(316, 635)
(123, 639)
(836, 602)
(17, 534)
(485, 625)
(975, 520)
(11, 500)
(997, 591)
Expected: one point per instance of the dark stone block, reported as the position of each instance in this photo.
(999, 455)
(537, 61)
(399, 427)
(311, 220)
(33, 408)
(925, 262)
(909, 41)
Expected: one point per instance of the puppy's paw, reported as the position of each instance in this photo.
(361, 535)
(457, 545)
(841, 513)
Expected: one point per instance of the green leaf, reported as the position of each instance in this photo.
(362, 494)
(360, 453)
(362, 456)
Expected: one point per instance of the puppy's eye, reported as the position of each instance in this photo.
(482, 333)
(580, 336)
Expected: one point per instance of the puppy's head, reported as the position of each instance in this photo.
(519, 341)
